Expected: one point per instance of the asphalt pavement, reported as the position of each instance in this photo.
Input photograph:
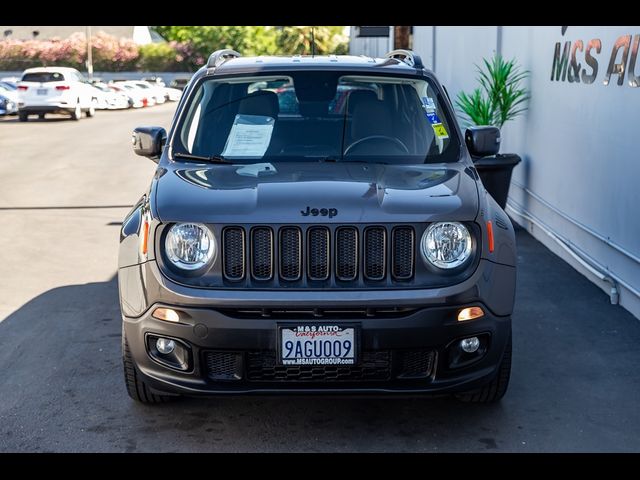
(65, 187)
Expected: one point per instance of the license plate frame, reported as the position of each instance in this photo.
(343, 326)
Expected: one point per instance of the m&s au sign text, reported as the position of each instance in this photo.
(568, 60)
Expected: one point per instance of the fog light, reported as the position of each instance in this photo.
(469, 345)
(166, 314)
(166, 346)
(470, 313)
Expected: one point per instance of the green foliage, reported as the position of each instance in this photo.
(501, 96)
(297, 40)
(248, 40)
(187, 48)
(256, 40)
(160, 57)
(476, 107)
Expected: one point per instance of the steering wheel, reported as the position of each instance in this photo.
(379, 139)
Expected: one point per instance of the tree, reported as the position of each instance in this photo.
(256, 40)
(297, 40)
(248, 40)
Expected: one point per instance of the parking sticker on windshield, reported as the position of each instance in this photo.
(433, 118)
(249, 137)
(440, 130)
(428, 104)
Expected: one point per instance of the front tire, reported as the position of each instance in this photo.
(77, 112)
(92, 110)
(495, 390)
(136, 387)
(23, 117)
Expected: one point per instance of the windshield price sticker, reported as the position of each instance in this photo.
(249, 137)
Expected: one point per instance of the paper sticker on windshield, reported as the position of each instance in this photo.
(433, 118)
(440, 131)
(428, 104)
(249, 137)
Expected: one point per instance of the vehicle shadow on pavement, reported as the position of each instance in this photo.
(62, 390)
(574, 385)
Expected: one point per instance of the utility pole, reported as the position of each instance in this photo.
(313, 41)
(402, 37)
(89, 55)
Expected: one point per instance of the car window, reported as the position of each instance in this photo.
(43, 77)
(307, 116)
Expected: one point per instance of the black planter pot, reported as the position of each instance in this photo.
(495, 173)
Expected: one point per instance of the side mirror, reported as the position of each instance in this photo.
(483, 141)
(148, 142)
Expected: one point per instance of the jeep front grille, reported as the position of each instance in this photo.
(374, 253)
(319, 255)
(403, 250)
(233, 244)
(262, 253)
(346, 253)
(290, 253)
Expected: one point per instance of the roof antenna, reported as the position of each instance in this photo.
(313, 41)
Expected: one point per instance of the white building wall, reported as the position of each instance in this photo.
(458, 50)
(370, 46)
(579, 179)
(423, 44)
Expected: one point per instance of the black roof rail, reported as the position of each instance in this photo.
(406, 56)
(220, 56)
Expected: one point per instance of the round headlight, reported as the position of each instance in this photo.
(446, 244)
(190, 246)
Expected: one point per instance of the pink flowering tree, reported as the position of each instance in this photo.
(110, 54)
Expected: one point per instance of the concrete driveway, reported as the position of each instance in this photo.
(64, 188)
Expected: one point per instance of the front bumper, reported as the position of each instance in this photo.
(432, 330)
(213, 321)
(49, 108)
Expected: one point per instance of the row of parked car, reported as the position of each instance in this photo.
(65, 90)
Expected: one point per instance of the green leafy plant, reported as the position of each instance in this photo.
(501, 96)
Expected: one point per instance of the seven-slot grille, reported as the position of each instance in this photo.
(346, 253)
(318, 253)
(233, 241)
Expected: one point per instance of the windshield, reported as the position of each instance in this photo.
(312, 116)
(43, 77)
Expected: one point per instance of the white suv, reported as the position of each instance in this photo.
(45, 90)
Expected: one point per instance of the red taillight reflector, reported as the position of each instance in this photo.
(22, 87)
(62, 87)
(490, 235)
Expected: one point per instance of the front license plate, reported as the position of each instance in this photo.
(41, 91)
(317, 345)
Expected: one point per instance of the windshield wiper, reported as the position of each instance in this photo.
(202, 158)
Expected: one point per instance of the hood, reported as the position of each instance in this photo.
(315, 193)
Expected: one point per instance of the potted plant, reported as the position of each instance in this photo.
(500, 98)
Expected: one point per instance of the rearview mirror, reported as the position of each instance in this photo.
(148, 141)
(482, 141)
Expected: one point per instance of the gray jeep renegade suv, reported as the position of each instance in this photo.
(315, 224)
